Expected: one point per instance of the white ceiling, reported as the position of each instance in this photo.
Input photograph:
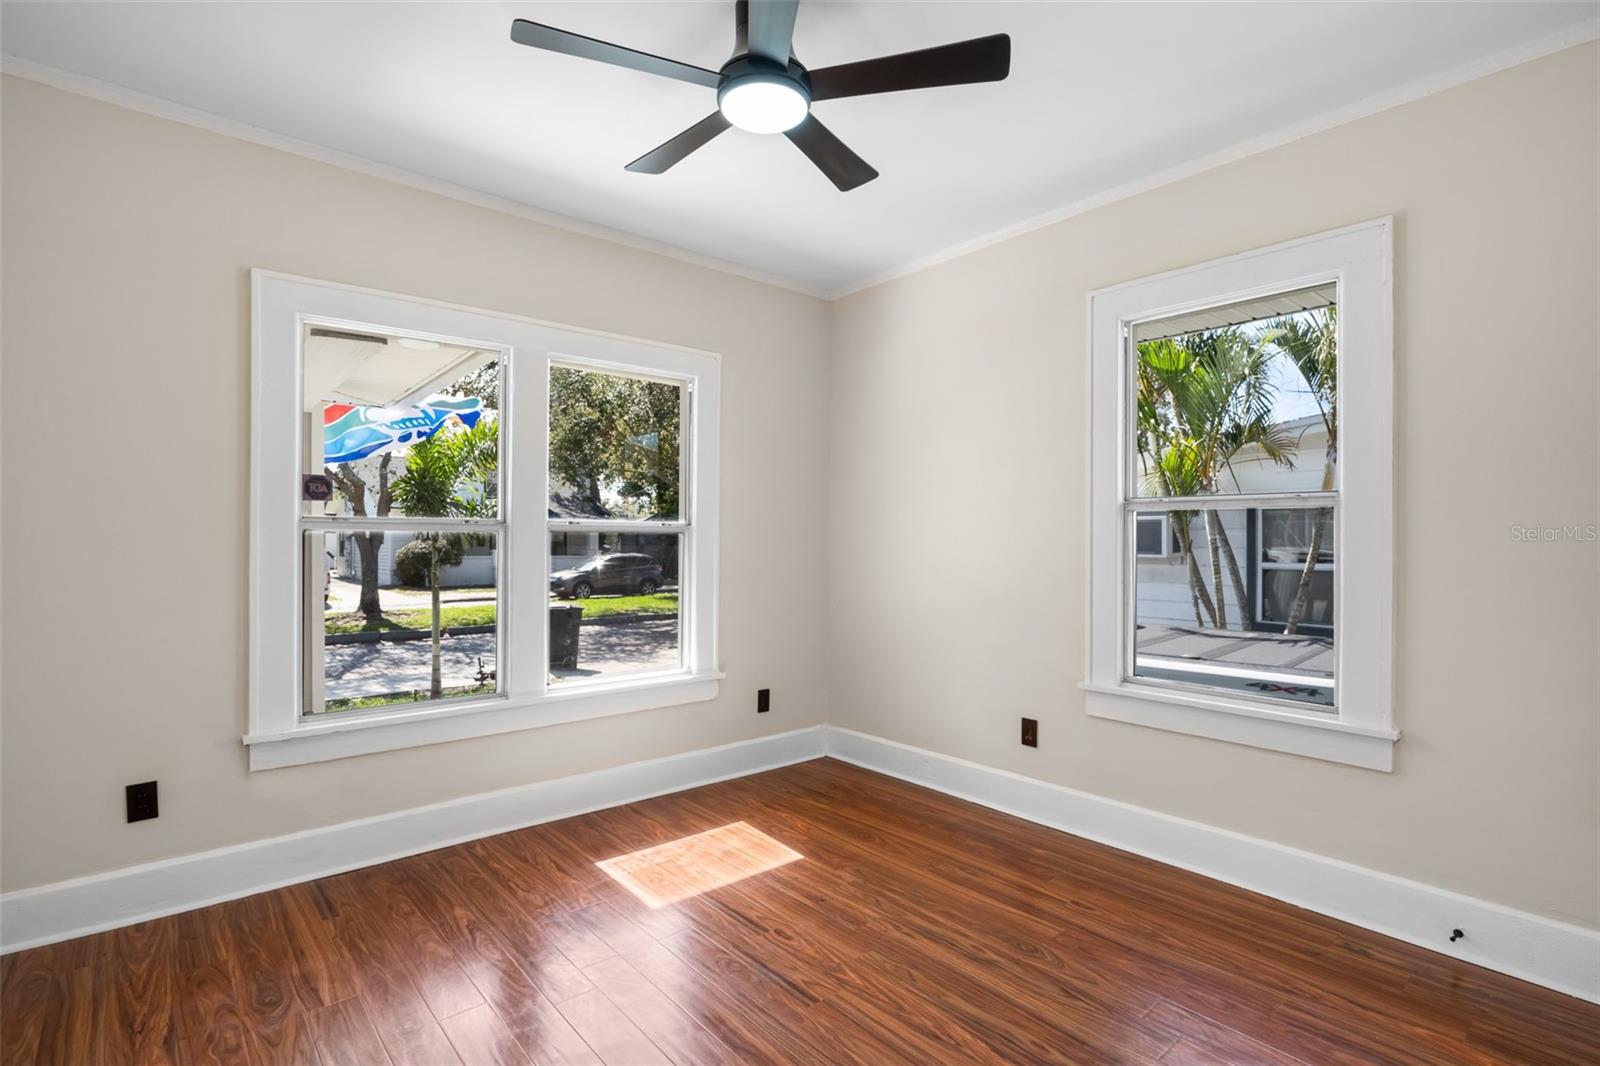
(1100, 96)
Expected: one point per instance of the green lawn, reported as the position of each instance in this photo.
(483, 614)
(468, 614)
(600, 606)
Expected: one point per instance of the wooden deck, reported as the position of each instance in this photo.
(814, 914)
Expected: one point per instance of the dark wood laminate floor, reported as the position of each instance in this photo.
(915, 929)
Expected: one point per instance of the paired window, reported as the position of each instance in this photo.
(467, 523)
(1241, 478)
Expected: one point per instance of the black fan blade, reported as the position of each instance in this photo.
(980, 59)
(660, 160)
(536, 35)
(771, 33)
(842, 166)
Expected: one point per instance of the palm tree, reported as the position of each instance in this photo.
(1201, 399)
(449, 475)
(1311, 342)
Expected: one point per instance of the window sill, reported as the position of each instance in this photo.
(1241, 722)
(363, 735)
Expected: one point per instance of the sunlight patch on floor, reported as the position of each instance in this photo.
(678, 869)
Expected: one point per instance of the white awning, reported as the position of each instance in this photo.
(1318, 296)
(379, 371)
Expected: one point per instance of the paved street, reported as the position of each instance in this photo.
(404, 666)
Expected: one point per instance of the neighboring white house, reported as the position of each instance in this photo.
(1269, 545)
(476, 569)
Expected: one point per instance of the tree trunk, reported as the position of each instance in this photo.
(1240, 596)
(367, 551)
(367, 544)
(436, 683)
(1214, 544)
(1197, 585)
(371, 603)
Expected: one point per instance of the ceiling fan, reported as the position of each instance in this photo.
(764, 89)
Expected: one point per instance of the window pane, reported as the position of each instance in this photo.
(371, 623)
(401, 426)
(1239, 399)
(614, 608)
(613, 446)
(1216, 613)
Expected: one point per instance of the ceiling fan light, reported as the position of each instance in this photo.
(762, 105)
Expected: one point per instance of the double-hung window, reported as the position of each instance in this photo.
(1241, 531)
(466, 522)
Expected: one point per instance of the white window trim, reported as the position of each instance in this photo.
(1362, 731)
(278, 735)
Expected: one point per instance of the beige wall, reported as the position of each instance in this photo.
(958, 407)
(127, 245)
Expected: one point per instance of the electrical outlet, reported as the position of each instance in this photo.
(1030, 732)
(763, 700)
(142, 802)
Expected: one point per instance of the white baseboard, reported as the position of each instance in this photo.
(1547, 952)
(66, 909)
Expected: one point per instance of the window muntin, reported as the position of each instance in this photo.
(1236, 403)
(404, 428)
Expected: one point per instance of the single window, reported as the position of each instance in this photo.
(1241, 487)
(1236, 401)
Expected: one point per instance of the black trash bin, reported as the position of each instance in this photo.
(564, 621)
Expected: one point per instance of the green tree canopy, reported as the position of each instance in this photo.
(615, 440)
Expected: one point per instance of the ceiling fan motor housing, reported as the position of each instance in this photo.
(742, 70)
(761, 96)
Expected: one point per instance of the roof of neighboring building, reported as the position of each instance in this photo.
(1300, 654)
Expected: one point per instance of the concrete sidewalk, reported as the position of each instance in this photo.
(391, 667)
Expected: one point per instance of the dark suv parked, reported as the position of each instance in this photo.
(617, 572)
